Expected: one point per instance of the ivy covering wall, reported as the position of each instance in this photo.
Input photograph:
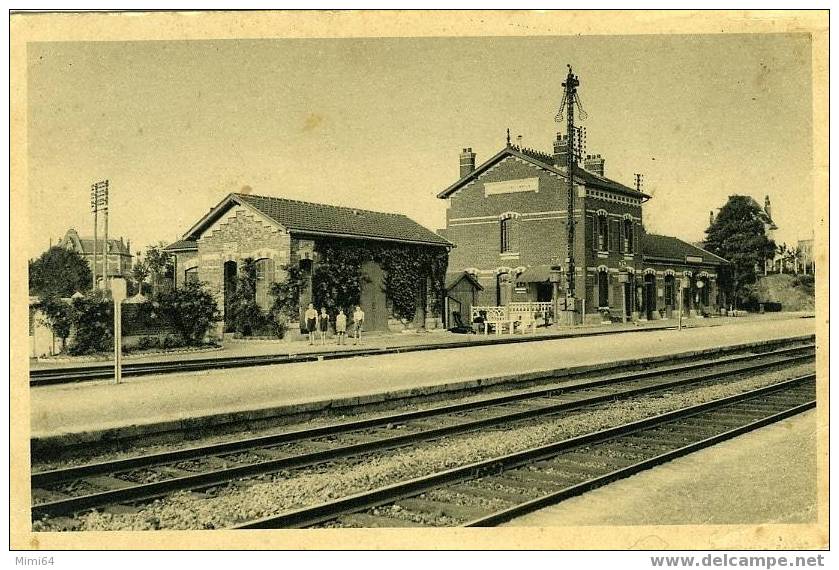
(337, 277)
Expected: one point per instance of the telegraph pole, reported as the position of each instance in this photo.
(106, 248)
(569, 100)
(99, 198)
(94, 206)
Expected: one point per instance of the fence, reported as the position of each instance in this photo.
(522, 315)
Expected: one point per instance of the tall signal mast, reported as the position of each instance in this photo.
(569, 100)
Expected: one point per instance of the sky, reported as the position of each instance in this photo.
(378, 123)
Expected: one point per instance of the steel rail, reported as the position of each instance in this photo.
(200, 480)
(52, 376)
(50, 477)
(323, 512)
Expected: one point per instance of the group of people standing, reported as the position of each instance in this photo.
(319, 323)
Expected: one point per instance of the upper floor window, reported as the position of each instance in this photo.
(602, 232)
(505, 234)
(628, 235)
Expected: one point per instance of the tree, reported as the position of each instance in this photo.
(191, 309)
(782, 252)
(139, 273)
(58, 316)
(738, 235)
(159, 263)
(59, 272)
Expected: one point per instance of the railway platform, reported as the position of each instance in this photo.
(100, 410)
(236, 348)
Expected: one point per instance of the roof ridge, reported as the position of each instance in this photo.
(350, 208)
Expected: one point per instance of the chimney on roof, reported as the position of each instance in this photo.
(595, 164)
(711, 218)
(560, 150)
(767, 207)
(467, 162)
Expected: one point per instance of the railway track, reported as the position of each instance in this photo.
(492, 492)
(69, 490)
(51, 376)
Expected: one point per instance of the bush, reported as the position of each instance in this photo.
(170, 341)
(192, 311)
(93, 319)
(58, 316)
(147, 342)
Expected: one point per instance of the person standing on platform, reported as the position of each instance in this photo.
(341, 327)
(358, 322)
(323, 325)
(311, 317)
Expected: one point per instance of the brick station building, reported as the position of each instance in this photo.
(508, 216)
(276, 232)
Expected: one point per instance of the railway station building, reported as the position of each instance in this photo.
(278, 233)
(508, 215)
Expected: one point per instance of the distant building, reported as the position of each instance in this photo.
(769, 227)
(119, 252)
(806, 262)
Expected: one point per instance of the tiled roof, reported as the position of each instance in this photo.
(667, 247)
(322, 219)
(182, 245)
(116, 246)
(543, 160)
(453, 279)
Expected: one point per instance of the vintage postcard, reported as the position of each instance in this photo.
(419, 280)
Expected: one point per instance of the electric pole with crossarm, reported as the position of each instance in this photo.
(569, 100)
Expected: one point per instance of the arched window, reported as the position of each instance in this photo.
(264, 278)
(602, 288)
(191, 275)
(602, 231)
(628, 236)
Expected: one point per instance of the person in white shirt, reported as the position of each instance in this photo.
(358, 322)
(311, 316)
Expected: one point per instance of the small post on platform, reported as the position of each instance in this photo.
(681, 300)
(118, 293)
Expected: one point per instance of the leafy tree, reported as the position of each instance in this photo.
(139, 273)
(59, 272)
(286, 305)
(93, 321)
(58, 316)
(738, 235)
(246, 315)
(191, 309)
(160, 264)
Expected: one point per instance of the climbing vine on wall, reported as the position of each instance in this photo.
(337, 277)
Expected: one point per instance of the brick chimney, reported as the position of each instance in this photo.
(595, 164)
(467, 162)
(561, 150)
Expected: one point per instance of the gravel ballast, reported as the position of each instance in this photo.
(270, 494)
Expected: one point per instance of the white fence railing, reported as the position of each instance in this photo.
(521, 315)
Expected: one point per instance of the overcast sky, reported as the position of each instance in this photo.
(379, 123)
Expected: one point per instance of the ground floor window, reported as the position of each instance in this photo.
(670, 291)
(191, 275)
(602, 289)
(264, 278)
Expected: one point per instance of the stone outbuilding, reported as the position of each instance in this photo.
(278, 233)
